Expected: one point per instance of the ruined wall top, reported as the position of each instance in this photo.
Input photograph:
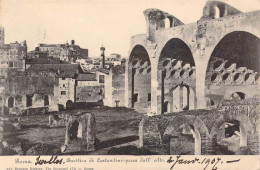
(214, 9)
(155, 20)
(154, 15)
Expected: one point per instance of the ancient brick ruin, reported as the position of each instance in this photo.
(80, 133)
(198, 84)
(161, 68)
(210, 64)
(58, 120)
(163, 134)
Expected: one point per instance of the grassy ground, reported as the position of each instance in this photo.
(115, 127)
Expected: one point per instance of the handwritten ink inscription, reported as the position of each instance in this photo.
(52, 160)
(206, 161)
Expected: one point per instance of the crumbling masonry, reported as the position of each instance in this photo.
(80, 133)
(201, 65)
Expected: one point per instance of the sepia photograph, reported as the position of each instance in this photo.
(129, 78)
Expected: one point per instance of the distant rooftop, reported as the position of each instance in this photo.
(86, 77)
(44, 61)
(63, 70)
(52, 45)
(103, 70)
(114, 54)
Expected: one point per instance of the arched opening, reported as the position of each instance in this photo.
(176, 77)
(230, 136)
(167, 23)
(217, 12)
(238, 96)
(10, 102)
(185, 140)
(234, 64)
(139, 78)
(69, 104)
(180, 98)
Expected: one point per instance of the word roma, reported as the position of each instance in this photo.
(18, 161)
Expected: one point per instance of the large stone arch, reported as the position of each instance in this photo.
(175, 66)
(247, 130)
(175, 33)
(211, 34)
(233, 65)
(198, 129)
(241, 34)
(156, 132)
(242, 91)
(139, 78)
(245, 121)
(241, 23)
(249, 29)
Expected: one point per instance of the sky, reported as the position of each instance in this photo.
(93, 23)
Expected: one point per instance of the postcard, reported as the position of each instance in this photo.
(120, 84)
